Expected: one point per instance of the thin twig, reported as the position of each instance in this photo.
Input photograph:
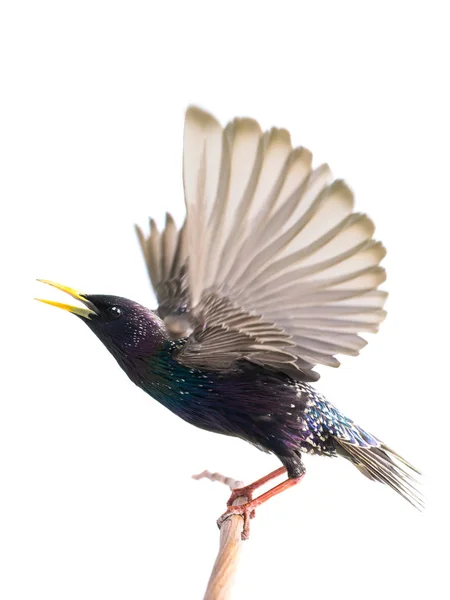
(230, 546)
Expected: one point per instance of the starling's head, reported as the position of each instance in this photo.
(126, 328)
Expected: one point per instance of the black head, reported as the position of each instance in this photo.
(126, 328)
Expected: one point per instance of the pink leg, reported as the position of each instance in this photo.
(248, 490)
(246, 510)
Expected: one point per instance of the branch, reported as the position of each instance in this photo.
(230, 546)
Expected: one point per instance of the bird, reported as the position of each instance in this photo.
(272, 274)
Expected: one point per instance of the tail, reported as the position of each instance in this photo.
(379, 462)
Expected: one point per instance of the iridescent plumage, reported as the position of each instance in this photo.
(271, 274)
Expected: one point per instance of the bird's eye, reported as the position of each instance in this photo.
(114, 312)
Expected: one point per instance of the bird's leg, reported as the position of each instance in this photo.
(247, 491)
(247, 510)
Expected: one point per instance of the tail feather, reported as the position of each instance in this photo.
(382, 464)
(401, 459)
(369, 454)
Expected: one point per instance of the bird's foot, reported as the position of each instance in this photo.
(246, 511)
(245, 492)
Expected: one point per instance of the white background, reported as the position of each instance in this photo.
(96, 495)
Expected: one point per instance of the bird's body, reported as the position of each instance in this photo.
(271, 274)
(263, 406)
(267, 409)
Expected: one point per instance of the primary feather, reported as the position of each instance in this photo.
(272, 264)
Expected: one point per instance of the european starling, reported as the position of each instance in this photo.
(271, 274)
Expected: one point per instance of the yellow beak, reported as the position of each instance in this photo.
(86, 313)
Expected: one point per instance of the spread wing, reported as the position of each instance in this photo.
(281, 271)
(165, 255)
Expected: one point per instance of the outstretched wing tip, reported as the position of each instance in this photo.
(196, 116)
(169, 218)
(139, 231)
(265, 233)
(165, 258)
(272, 235)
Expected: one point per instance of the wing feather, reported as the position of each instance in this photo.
(165, 255)
(281, 271)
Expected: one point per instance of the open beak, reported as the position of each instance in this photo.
(86, 312)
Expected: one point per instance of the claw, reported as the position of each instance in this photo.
(243, 492)
(246, 511)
